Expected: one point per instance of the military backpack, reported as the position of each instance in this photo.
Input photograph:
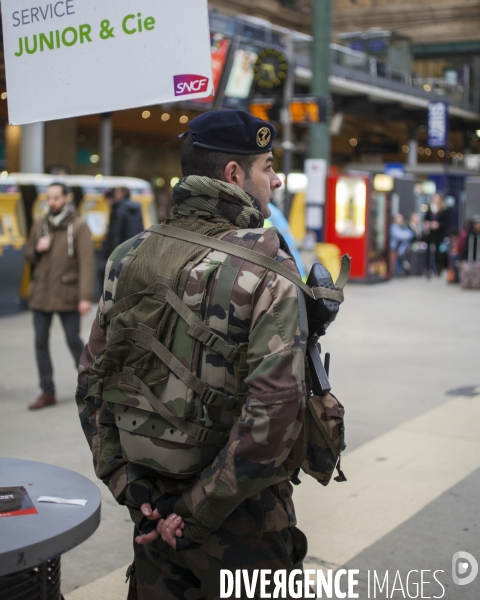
(162, 409)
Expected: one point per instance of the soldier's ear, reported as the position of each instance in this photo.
(233, 173)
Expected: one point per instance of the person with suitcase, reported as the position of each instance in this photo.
(470, 257)
(435, 228)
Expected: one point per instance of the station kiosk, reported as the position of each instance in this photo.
(357, 220)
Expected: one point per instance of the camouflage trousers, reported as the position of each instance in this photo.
(162, 573)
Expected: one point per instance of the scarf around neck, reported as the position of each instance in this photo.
(58, 220)
(212, 198)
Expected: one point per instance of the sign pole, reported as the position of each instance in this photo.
(320, 132)
(287, 143)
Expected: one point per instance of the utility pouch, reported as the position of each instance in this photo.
(324, 438)
(324, 430)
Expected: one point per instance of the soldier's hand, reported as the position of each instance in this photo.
(170, 529)
(151, 515)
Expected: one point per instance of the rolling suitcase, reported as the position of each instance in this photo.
(470, 269)
(415, 259)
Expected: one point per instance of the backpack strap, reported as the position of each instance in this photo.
(199, 330)
(258, 259)
(196, 327)
(143, 338)
(129, 302)
(129, 382)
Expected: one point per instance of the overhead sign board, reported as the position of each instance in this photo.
(303, 109)
(308, 109)
(66, 58)
(438, 124)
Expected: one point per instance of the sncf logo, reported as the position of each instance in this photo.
(189, 84)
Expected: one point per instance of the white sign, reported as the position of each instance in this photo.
(66, 58)
(316, 171)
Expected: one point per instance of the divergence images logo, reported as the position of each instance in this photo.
(460, 567)
(189, 84)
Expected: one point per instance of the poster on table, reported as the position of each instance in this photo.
(67, 58)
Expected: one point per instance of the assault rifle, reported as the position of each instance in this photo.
(321, 313)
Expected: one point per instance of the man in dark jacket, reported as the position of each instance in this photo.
(60, 249)
(125, 220)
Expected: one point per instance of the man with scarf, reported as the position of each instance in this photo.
(237, 513)
(61, 253)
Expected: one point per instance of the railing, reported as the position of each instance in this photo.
(378, 68)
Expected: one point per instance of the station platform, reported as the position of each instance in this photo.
(405, 358)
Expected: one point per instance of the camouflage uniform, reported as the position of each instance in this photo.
(238, 512)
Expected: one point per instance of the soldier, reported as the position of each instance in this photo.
(192, 390)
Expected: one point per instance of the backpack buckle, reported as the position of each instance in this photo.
(212, 397)
(208, 396)
(220, 346)
(202, 436)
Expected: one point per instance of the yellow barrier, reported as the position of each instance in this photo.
(9, 227)
(297, 217)
(329, 256)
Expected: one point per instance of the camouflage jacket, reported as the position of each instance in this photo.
(247, 486)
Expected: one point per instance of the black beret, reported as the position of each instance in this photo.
(232, 131)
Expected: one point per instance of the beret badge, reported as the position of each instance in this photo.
(263, 137)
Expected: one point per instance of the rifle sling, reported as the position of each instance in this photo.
(256, 258)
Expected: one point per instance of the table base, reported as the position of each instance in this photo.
(37, 583)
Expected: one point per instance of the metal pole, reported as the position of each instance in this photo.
(412, 157)
(322, 18)
(287, 143)
(106, 143)
(320, 132)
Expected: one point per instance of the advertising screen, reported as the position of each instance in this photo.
(241, 78)
(351, 197)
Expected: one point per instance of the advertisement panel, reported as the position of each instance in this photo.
(438, 124)
(78, 57)
(240, 80)
(220, 46)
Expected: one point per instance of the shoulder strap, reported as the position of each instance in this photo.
(197, 329)
(258, 259)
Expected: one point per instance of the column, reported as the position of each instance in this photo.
(106, 143)
(32, 148)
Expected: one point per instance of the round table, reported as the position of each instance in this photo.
(30, 545)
